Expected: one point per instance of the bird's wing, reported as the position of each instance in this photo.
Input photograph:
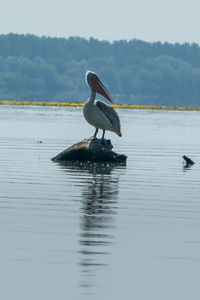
(110, 113)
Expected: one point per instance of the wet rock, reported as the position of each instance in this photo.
(91, 150)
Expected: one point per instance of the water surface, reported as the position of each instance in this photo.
(99, 233)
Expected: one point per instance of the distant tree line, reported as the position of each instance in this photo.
(136, 72)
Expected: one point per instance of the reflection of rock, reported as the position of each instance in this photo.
(93, 150)
(89, 167)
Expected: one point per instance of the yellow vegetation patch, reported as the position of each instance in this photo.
(39, 103)
(79, 104)
(156, 107)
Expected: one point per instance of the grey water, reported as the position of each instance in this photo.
(126, 232)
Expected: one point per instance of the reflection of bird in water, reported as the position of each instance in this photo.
(98, 208)
(99, 198)
(100, 189)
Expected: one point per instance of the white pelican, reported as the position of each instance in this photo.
(96, 112)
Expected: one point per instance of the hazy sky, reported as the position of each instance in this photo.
(149, 20)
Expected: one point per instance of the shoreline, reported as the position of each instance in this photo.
(79, 104)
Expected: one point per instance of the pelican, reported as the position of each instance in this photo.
(98, 113)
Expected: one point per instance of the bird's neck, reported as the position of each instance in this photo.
(93, 96)
(90, 101)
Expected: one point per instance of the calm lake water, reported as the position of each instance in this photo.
(100, 233)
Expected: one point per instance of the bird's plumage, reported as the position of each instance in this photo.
(111, 115)
(98, 113)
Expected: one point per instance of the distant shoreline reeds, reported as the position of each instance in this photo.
(79, 104)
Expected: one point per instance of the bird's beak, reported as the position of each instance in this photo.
(98, 87)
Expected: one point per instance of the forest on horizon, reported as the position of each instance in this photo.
(134, 72)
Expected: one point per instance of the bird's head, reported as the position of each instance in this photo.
(96, 85)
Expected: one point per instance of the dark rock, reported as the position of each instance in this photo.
(91, 150)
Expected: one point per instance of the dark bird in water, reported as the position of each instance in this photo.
(188, 161)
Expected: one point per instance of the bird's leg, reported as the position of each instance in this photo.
(95, 134)
(103, 135)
